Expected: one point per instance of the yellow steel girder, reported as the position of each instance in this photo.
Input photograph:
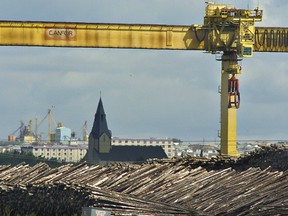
(99, 35)
(93, 35)
(271, 39)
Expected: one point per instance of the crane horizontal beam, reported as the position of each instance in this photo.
(66, 34)
(132, 36)
(271, 39)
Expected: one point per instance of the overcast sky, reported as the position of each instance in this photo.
(146, 93)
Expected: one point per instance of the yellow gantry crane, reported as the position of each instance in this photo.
(226, 30)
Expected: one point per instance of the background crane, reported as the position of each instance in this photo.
(212, 37)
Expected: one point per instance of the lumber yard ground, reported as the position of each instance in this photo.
(255, 184)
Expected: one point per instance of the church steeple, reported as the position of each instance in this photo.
(100, 125)
(100, 136)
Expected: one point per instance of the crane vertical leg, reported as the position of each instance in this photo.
(229, 105)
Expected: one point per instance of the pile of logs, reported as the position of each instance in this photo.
(57, 199)
(273, 157)
(63, 199)
(156, 188)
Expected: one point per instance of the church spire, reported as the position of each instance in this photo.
(100, 136)
(100, 125)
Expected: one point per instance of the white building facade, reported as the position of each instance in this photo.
(57, 152)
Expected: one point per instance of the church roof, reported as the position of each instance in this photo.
(132, 153)
(100, 125)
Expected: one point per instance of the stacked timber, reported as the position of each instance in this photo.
(176, 187)
(273, 157)
(63, 199)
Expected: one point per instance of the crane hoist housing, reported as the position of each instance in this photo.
(230, 29)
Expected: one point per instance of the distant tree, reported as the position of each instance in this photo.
(29, 154)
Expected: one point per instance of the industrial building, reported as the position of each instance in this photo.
(63, 134)
(57, 134)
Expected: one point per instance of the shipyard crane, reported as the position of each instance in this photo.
(226, 29)
(50, 118)
(12, 135)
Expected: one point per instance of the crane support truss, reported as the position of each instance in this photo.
(230, 101)
(132, 36)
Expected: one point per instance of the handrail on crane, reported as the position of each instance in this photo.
(229, 11)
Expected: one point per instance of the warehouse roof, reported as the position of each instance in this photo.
(132, 153)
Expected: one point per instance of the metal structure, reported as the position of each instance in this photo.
(226, 29)
(50, 119)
